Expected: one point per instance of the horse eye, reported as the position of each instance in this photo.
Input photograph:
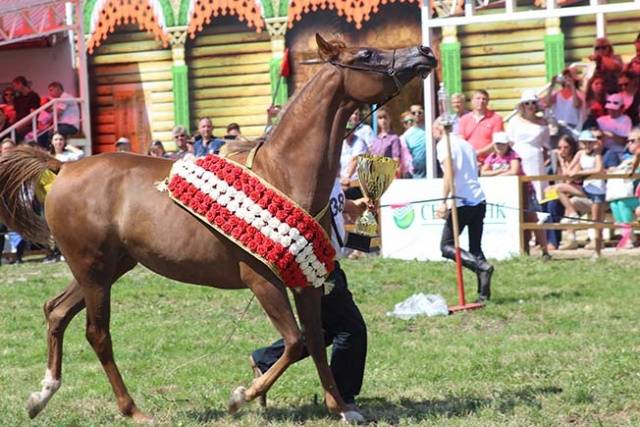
(366, 54)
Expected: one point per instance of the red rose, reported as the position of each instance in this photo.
(226, 227)
(263, 202)
(246, 188)
(252, 245)
(288, 208)
(291, 221)
(254, 195)
(298, 215)
(272, 208)
(219, 221)
(260, 187)
(308, 235)
(281, 215)
(301, 226)
(237, 184)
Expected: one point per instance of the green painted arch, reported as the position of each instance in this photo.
(183, 10)
(167, 12)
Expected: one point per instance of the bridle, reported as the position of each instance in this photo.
(390, 72)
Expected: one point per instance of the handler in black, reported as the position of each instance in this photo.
(342, 322)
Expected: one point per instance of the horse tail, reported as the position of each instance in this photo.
(20, 172)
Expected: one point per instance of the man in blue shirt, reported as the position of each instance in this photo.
(206, 143)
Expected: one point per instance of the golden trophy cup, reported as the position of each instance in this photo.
(375, 174)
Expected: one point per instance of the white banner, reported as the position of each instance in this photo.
(410, 229)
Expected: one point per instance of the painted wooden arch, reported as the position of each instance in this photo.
(101, 17)
(356, 11)
(196, 14)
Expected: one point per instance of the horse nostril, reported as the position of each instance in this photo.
(426, 51)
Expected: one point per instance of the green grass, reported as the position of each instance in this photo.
(558, 345)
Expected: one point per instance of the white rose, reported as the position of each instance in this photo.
(274, 223)
(257, 223)
(285, 241)
(232, 206)
(223, 200)
(294, 233)
(301, 240)
(284, 229)
(214, 194)
(240, 196)
(223, 186)
(264, 214)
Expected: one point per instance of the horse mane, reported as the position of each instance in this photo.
(19, 169)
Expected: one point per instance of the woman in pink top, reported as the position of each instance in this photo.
(504, 161)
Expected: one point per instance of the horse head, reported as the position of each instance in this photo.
(373, 75)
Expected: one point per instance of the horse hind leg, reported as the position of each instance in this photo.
(309, 312)
(98, 300)
(58, 312)
(275, 303)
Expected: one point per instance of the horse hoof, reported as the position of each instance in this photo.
(35, 405)
(351, 417)
(141, 418)
(237, 400)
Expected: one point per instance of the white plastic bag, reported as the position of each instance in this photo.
(420, 304)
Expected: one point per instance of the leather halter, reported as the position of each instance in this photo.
(389, 71)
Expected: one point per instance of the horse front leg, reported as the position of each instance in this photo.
(58, 312)
(275, 303)
(309, 313)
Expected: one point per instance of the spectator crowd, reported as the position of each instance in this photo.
(586, 122)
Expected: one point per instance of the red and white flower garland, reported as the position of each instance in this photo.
(256, 216)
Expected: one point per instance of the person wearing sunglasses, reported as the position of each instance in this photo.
(630, 96)
(615, 125)
(414, 138)
(607, 63)
(530, 136)
(181, 139)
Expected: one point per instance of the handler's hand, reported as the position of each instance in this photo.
(441, 212)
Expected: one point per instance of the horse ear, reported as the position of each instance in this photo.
(326, 50)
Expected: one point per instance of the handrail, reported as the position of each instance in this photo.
(33, 117)
(557, 226)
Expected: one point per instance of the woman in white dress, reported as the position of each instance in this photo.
(530, 136)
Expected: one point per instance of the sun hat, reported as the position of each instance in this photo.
(614, 102)
(528, 95)
(586, 135)
(500, 138)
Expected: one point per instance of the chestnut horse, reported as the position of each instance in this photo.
(106, 216)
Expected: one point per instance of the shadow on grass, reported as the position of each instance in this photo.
(380, 409)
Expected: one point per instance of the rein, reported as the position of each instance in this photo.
(389, 72)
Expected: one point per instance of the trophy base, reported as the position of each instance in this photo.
(360, 242)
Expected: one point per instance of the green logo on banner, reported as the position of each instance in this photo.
(403, 217)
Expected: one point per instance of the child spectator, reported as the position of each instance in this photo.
(8, 104)
(614, 125)
(505, 161)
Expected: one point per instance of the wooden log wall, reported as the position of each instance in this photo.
(503, 59)
(229, 77)
(131, 62)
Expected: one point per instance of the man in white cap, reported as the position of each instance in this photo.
(614, 125)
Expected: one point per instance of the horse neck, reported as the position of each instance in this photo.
(303, 155)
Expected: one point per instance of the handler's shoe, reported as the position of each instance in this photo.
(257, 373)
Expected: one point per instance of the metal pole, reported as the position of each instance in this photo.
(454, 218)
(429, 100)
(83, 77)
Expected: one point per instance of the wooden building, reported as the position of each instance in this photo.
(157, 63)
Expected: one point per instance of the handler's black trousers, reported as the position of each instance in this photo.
(343, 327)
(473, 218)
